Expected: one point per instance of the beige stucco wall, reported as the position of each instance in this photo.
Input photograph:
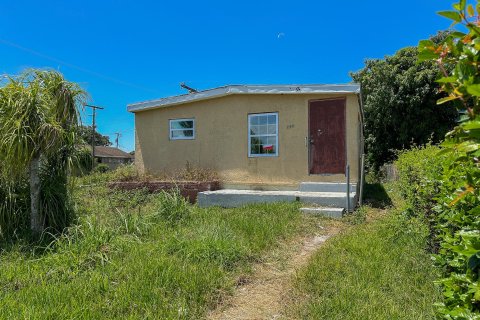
(221, 139)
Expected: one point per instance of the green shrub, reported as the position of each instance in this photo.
(82, 163)
(437, 187)
(457, 210)
(101, 168)
(397, 91)
(420, 171)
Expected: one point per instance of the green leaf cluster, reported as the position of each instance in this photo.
(456, 207)
(400, 103)
(38, 120)
(85, 133)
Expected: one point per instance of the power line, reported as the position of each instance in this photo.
(73, 66)
(120, 131)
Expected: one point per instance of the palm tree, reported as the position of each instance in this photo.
(38, 118)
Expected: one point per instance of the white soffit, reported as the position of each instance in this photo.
(244, 89)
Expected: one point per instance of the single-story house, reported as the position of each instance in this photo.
(258, 137)
(112, 157)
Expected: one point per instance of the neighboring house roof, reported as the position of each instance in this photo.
(244, 89)
(111, 152)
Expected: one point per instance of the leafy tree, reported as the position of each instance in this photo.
(85, 133)
(38, 121)
(400, 103)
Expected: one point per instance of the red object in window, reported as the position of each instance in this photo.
(268, 147)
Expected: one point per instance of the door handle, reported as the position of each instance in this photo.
(308, 141)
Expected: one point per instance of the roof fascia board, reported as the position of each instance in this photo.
(244, 89)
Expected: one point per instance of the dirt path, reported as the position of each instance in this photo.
(263, 295)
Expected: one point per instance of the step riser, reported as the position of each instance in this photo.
(237, 200)
(339, 202)
(325, 187)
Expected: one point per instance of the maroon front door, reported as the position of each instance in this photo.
(327, 136)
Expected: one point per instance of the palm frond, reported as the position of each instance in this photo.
(39, 115)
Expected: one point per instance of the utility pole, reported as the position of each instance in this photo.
(94, 109)
(118, 134)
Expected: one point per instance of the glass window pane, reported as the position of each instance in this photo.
(181, 124)
(262, 129)
(178, 124)
(272, 119)
(188, 133)
(262, 150)
(268, 148)
(272, 140)
(254, 149)
(262, 119)
(186, 124)
(254, 120)
(176, 134)
(272, 129)
(254, 130)
(262, 140)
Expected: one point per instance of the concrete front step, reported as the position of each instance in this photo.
(230, 198)
(326, 187)
(325, 211)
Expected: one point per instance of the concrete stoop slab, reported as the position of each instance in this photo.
(326, 212)
(230, 198)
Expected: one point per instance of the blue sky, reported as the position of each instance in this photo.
(128, 51)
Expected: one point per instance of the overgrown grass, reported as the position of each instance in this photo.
(377, 270)
(133, 255)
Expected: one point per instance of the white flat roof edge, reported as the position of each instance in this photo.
(245, 89)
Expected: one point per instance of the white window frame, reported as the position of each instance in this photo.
(250, 155)
(178, 120)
